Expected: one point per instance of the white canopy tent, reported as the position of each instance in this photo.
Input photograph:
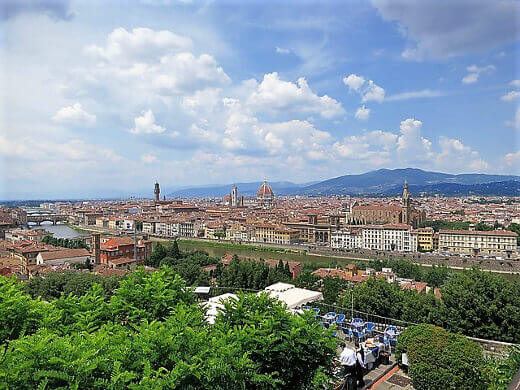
(293, 296)
(214, 304)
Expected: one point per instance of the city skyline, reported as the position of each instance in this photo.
(101, 97)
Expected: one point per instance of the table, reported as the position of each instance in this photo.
(371, 354)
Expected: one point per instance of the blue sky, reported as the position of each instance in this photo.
(103, 98)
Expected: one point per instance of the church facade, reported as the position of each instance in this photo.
(405, 213)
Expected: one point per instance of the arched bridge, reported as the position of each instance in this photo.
(39, 218)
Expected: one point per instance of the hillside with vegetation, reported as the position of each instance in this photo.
(148, 330)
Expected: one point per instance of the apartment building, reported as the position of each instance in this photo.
(347, 239)
(389, 237)
(425, 239)
(273, 234)
(474, 243)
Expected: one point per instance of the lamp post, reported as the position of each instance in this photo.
(352, 301)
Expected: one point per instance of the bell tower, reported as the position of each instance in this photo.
(234, 196)
(157, 192)
(405, 201)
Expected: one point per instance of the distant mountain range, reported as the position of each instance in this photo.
(246, 189)
(383, 181)
(498, 188)
(380, 182)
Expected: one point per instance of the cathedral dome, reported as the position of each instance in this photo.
(265, 191)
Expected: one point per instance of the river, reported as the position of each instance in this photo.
(59, 230)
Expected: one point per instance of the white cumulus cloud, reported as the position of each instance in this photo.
(140, 43)
(512, 159)
(276, 94)
(145, 124)
(510, 96)
(367, 89)
(474, 73)
(454, 155)
(362, 113)
(74, 115)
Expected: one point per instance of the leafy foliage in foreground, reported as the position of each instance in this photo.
(441, 360)
(151, 334)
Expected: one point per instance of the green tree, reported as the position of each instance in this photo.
(482, 305)
(499, 372)
(437, 275)
(149, 295)
(307, 280)
(19, 313)
(441, 360)
(174, 251)
(273, 335)
(332, 288)
(515, 227)
(158, 253)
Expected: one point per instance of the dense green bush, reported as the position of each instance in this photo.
(282, 346)
(186, 264)
(54, 284)
(483, 305)
(151, 334)
(19, 314)
(441, 360)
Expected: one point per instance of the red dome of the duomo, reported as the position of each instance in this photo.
(265, 191)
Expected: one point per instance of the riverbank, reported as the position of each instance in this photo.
(89, 231)
(313, 258)
(233, 246)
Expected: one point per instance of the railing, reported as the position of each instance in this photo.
(380, 322)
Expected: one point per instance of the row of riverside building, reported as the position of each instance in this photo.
(401, 237)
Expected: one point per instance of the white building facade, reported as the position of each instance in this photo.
(391, 237)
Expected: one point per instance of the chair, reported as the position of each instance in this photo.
(306, 307)
(391, 331)
(347, 332)
(316, 311)
(359, 335)
(330, 317)
(340, 318)
(369, 327)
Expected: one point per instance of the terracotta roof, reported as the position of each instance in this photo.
(418, 286)
(377, 208)
(64, 254)
(122, 260)
(505, 233)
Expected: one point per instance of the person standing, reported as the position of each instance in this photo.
(347, 359)
(360, 365)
